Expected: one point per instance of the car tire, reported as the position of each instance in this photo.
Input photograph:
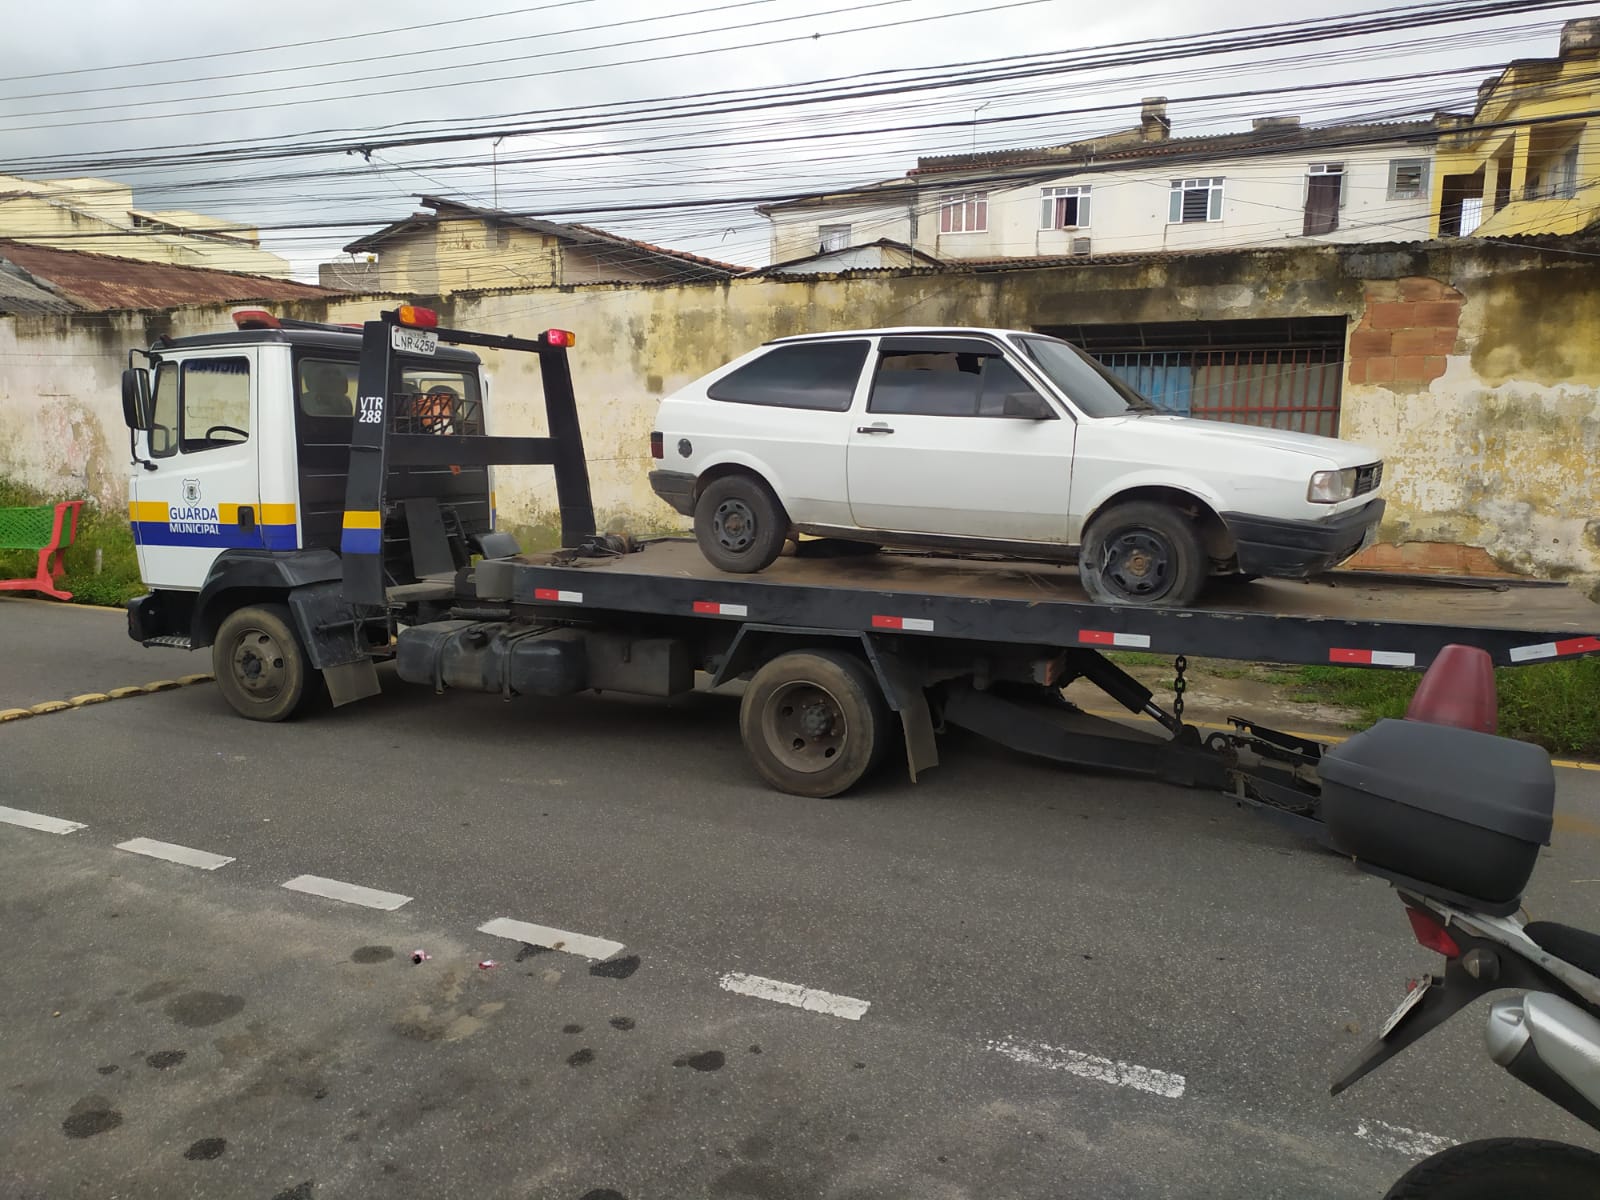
(1143, 553)
(814, 722)
(260, 665)
(740, 525)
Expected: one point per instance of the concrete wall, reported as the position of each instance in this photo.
(1473, 368)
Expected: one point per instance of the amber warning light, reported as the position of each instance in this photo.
(420, 318)
(559, 337)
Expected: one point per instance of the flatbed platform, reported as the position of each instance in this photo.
(1352, 618)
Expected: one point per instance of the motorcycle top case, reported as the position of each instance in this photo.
(1452, 812)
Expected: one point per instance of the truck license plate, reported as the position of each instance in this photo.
(413, 341)
(1413, 998)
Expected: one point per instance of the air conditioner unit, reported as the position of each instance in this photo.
(1080, 245)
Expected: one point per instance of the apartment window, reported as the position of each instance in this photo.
(833, 237)
(1553, 176)
(1195, 200)
(1324, 195)
(1064, 208)
(1408, 178)
(964, 212)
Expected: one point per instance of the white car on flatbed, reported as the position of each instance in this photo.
(999, 441)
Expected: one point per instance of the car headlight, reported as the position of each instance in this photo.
(1330, 487)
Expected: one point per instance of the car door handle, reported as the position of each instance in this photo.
(873, 429)
(247, 517)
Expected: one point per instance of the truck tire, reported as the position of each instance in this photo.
(1145, 553)
(1499, 1167)
(261, 667)
(814, 722)
(740, 525)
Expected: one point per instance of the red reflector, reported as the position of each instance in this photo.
(657, 446)
(420, 318)
(255, 318)
(560, 337)
(1431, 933)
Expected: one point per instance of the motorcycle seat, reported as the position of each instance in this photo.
(1567, 942)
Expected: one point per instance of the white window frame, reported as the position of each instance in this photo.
(1049, 205)
(1327, 168)
(1395, 192)
(964, 212)
(1213, 184)
(827, 234)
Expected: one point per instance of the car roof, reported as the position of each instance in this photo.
(904, 330)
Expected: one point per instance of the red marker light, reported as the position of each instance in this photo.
(255, 318)
(560, 337)
(1431, 933)
(657, 446)
(420, 318)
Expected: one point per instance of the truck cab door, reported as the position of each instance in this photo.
(204, 495)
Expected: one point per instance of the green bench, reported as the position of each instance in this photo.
(49, 531)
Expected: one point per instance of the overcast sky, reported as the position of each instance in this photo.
(77, 93)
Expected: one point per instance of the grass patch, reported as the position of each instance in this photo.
(1554, 705)
(108, 532)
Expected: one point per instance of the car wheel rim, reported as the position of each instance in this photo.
(258, 665)
(1138, 564)
(805, 726)
(735, 526)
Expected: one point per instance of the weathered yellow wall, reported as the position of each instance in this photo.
(1494, 445)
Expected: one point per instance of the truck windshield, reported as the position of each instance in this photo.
(1095, 390)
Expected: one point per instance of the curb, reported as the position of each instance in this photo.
(46, 707)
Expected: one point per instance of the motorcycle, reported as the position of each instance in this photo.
(1453, 817)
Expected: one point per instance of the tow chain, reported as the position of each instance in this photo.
(1179, 686)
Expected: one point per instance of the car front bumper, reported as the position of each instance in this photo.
(1295, 549)
(676, 488)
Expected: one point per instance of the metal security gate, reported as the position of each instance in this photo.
(1284, 374)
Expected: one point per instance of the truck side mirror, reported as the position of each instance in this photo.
(1026, 406)
(136, 398)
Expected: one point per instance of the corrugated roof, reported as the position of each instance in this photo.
(22, 294)
(1278, 137)
(99, 282)
(577, 234)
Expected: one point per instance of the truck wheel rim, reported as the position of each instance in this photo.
(735, 526)
(1138, 564)
(258, 665)
(805, 726)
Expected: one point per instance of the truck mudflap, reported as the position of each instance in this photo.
(541, 660)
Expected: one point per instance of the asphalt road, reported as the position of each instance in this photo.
(1074, 985)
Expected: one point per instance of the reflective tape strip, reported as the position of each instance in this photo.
(915, 624)
(558, 595)
(357, 518)
(711, 608)
(1583, 645)
(363, 532)
(1104, 637)
(148, 510)
(1373, 658)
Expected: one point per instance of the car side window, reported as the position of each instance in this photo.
(215, 398)
(327, 387)
(937, 383)
(164, 422)
(814, 375)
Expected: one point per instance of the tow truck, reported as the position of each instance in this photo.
(315, 501)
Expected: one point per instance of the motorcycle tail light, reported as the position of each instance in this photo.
(1431, 932)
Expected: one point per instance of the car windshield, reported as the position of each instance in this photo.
(1095, 390)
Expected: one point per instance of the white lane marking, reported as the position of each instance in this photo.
(1092, 1066)
(33, 820)
(350, 893)
(580, 944)
(810, 999)
(1412, 1142)
(182, 855)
